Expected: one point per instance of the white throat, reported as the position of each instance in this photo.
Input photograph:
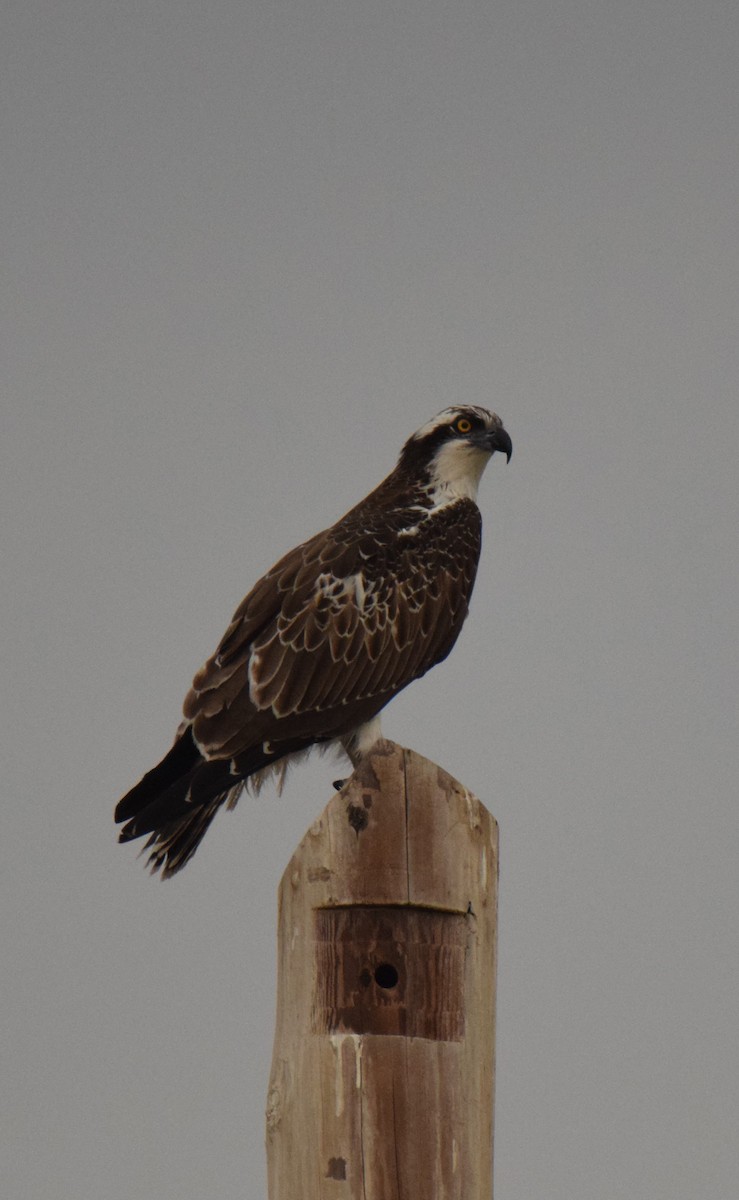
(456, 472)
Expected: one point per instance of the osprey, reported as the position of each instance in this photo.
(319, 646)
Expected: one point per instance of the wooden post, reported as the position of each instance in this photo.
(383, 1063)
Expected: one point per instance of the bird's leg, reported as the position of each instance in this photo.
(361, 740)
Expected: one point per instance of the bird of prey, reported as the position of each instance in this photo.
(332, 632)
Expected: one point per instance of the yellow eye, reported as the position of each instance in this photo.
(463, 425)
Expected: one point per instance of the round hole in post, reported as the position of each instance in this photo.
(425, 949)
(386, 976)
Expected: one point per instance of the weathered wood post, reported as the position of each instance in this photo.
(383, 1063)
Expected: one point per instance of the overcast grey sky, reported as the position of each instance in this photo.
(247, 249)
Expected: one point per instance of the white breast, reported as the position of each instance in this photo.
(456, 472)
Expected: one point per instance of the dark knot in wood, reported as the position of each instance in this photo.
(357, 817)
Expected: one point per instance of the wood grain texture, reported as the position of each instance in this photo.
(382, 1073)
(390, 970)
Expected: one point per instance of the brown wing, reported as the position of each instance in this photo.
(336, 628)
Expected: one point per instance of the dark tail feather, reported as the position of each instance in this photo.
(173, 844)
(176, 801)
(193, 790)
(178, 815)
(179, 761)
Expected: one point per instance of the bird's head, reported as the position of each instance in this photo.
(451, 451)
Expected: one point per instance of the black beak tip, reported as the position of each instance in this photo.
(493, 440)
(504, 444)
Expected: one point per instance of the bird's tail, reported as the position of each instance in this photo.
(176, 801)
(173, 843)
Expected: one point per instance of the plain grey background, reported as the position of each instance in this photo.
(248, 249)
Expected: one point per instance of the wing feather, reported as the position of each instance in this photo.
(341, 620)
(266, 666)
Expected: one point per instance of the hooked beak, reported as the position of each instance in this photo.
(496, 439)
